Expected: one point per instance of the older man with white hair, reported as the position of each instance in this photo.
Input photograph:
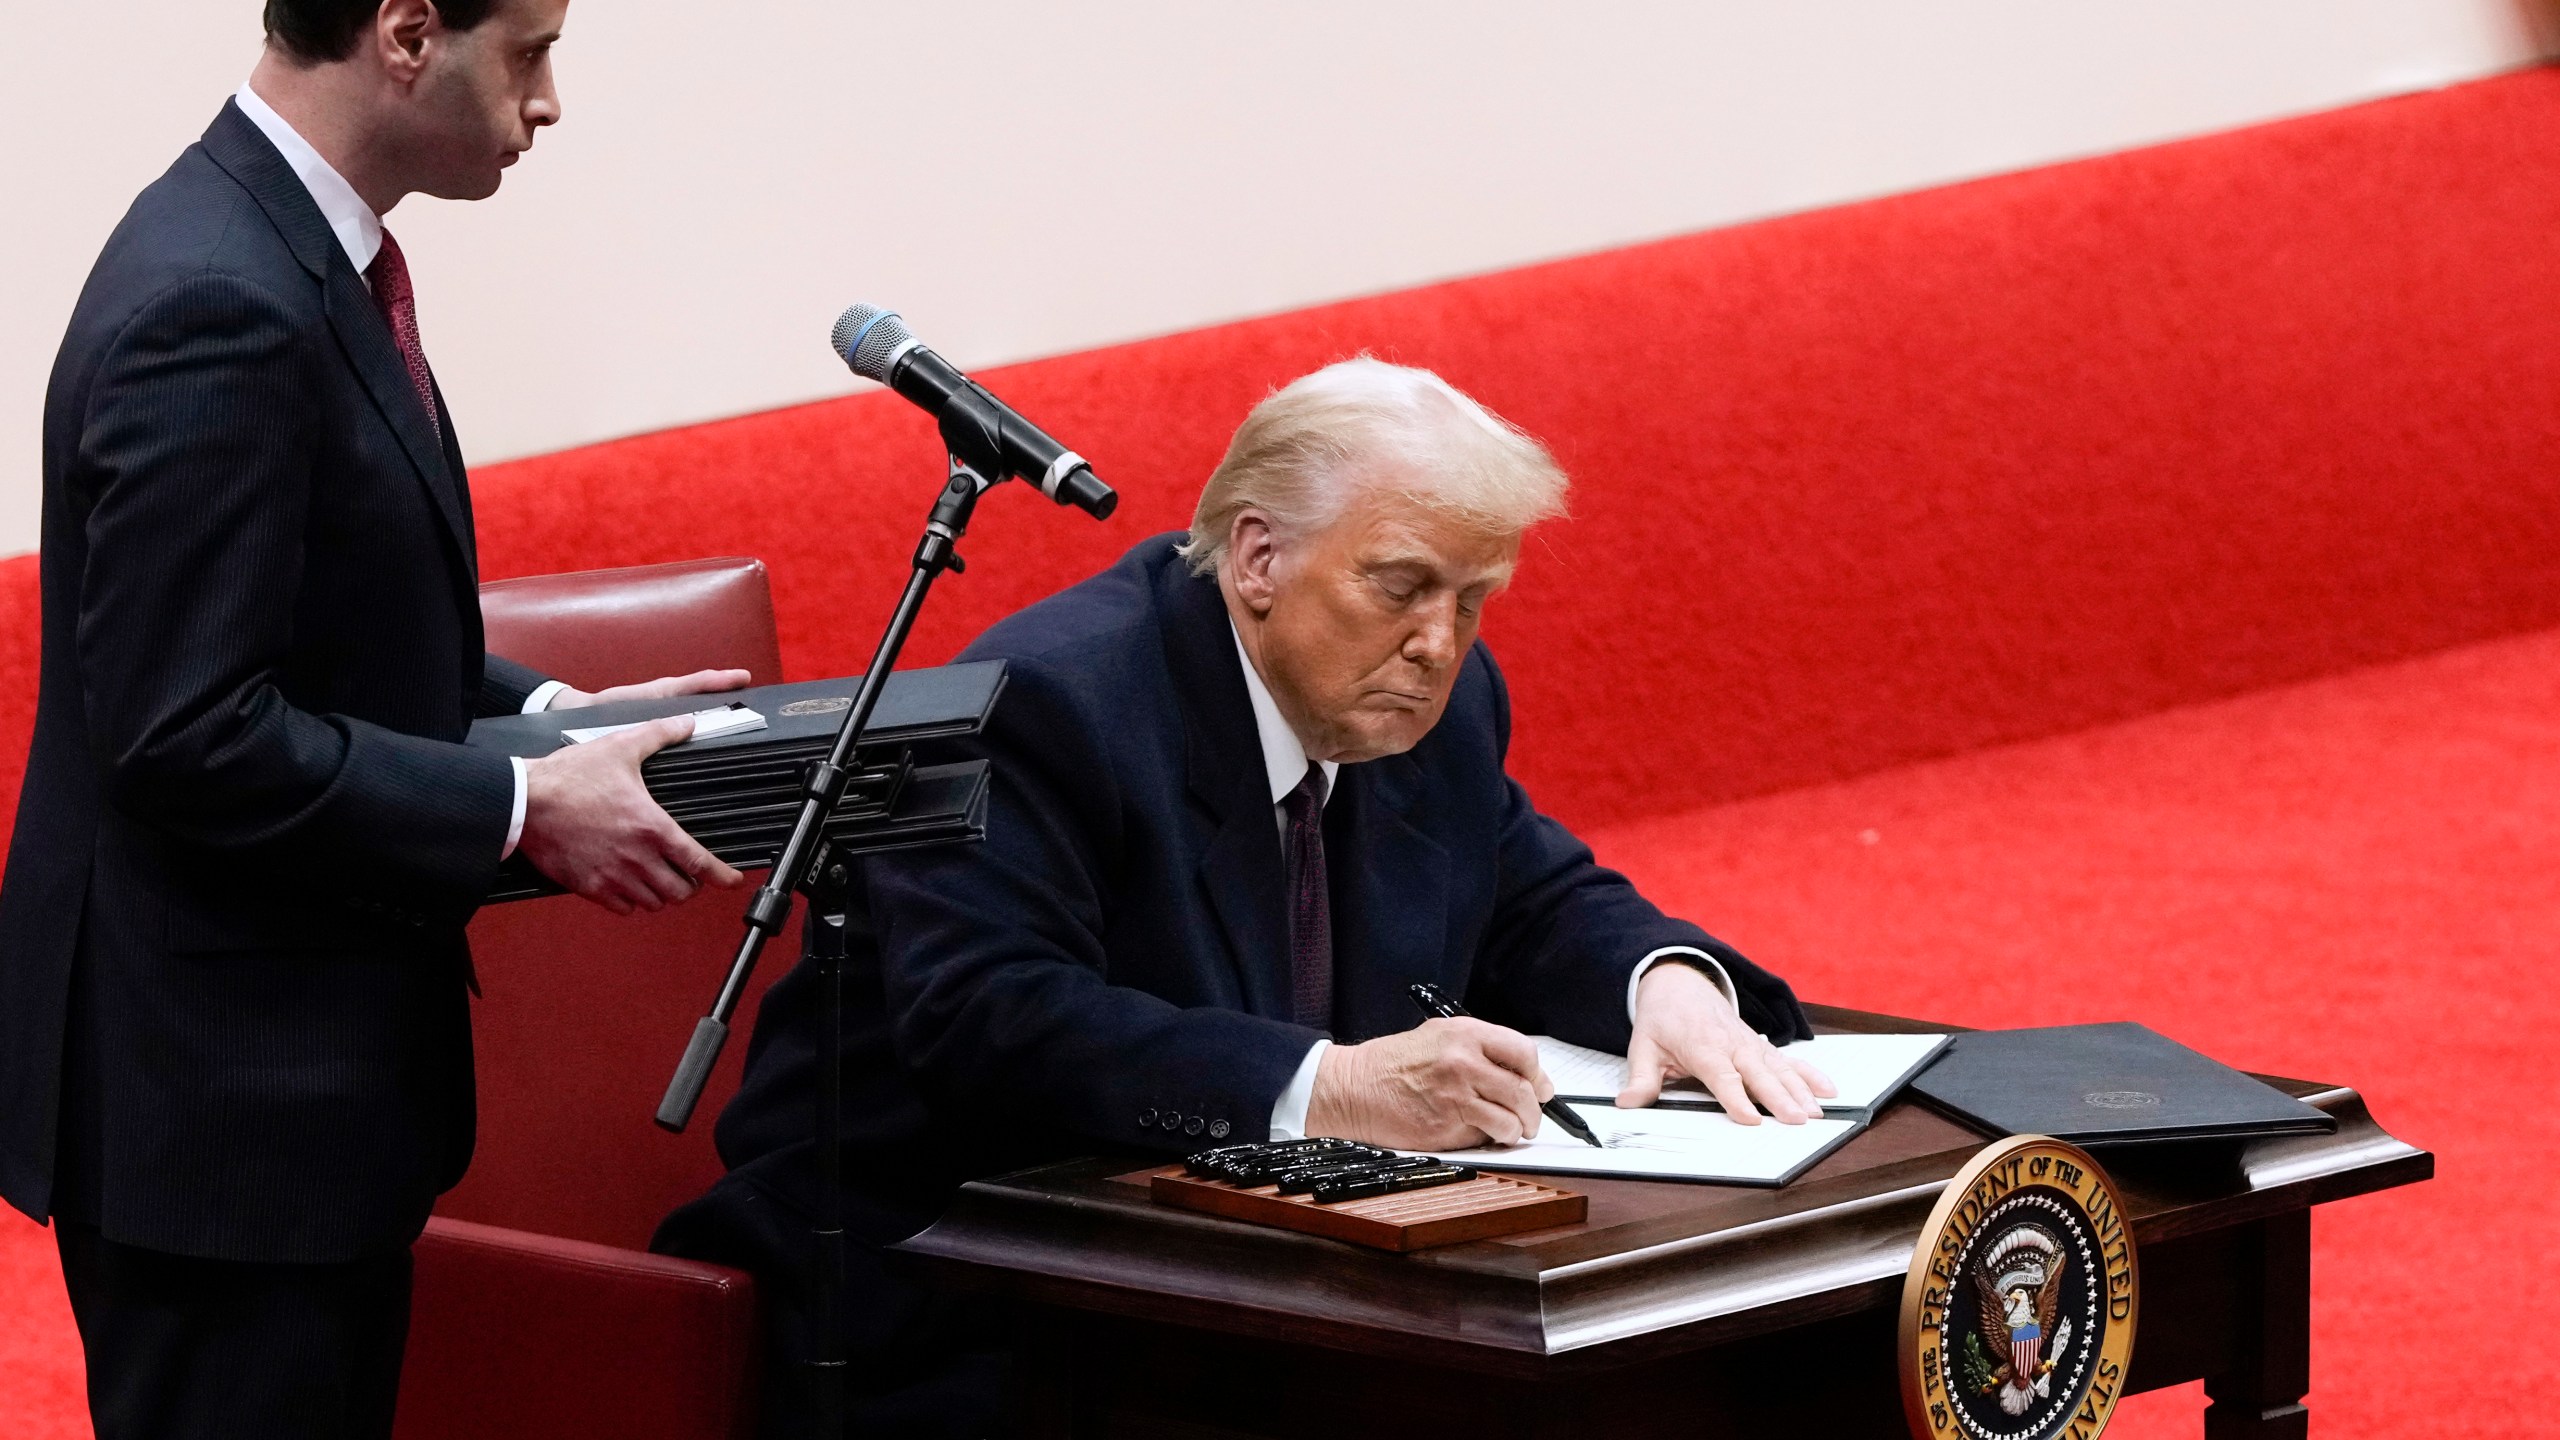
(1249, 788)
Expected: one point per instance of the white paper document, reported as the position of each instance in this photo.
(1866, 1068)
(1660, 1144)
(725, 720)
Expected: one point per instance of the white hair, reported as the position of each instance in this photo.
(1313, 444)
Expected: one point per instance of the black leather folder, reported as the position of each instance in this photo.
(739, 793)
(800, 720)
(2106, 1085)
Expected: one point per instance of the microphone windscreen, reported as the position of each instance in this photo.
(870, 340)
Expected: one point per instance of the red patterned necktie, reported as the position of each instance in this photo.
(1310, 907)
(389, 276)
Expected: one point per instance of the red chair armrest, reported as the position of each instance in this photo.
(515, 1336)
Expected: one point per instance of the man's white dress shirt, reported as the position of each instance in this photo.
(1284, 762)
(359, 233)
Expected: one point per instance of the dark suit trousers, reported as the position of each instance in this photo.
(188, 1349)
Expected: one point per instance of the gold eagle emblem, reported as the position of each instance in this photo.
(2018, 1287)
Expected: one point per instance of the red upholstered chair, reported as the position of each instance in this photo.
(539, 1312)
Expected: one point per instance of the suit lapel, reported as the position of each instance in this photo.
(1222, 766)
(1390, 884)
(1242, 873)
(466, 529)
(366, 341)
(235, 144)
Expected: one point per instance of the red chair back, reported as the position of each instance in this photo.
(582, 1014)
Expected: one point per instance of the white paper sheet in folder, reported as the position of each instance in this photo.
(718, 720)
(1686, 1136)
(1867, 1069)
(1663, 1144)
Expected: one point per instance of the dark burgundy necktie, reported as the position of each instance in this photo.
(389, 276)
(1310, 911)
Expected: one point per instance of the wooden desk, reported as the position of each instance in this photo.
(1675, 1309)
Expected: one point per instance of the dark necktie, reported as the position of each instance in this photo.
(1310, 911)
(389, 276)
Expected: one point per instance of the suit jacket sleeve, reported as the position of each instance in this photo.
(195, 532)
(506, 685)
(1567, 932)
(993, 957)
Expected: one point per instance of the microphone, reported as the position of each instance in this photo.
(981, 431)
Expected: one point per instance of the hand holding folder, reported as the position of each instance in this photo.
(589, 823)
(736, 791)
(591, 826)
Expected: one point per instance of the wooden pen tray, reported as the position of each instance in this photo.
(1475, 1209)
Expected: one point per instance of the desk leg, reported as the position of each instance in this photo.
(2260, 1397)
(1048, 1401)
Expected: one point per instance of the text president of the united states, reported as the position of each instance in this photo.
(1249, 787)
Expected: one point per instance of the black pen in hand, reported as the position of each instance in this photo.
(1437, 1006)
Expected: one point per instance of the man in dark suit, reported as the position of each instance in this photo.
(1248, 788)
(235, 1047)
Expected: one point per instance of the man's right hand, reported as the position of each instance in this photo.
(1448, 1085)
(591, 826)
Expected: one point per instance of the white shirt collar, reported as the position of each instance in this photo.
(1282, 756)
(358, 229)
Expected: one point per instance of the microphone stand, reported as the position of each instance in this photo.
(822, 942)
(972, 432)
(770, 910)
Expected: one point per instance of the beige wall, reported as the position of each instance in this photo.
(1022, 178)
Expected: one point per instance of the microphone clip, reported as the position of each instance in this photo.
(939, 549)
(972, 424)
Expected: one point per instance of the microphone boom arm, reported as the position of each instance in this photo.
(770, 910)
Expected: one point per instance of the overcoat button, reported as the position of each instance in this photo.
(1218, 1129)
(1194, 1125)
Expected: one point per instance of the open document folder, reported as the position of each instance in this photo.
(1867, 1070)
(1664, 1144)
(1687, 1136)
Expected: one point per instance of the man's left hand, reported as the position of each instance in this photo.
(700, 682)
(1685, 1026)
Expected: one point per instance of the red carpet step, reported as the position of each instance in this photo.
(2354, 880)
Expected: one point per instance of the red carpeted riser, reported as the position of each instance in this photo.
(2348, 880)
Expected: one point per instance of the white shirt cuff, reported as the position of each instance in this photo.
(541, 698)
(515, 821)
(1289, 1112)
(1705, 961)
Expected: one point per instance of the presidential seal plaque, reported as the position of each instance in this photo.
(2018, 1313)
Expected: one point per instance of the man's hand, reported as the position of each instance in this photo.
(1685, 1026)
(1449, 1085)
(700, 682)
(590, 825)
